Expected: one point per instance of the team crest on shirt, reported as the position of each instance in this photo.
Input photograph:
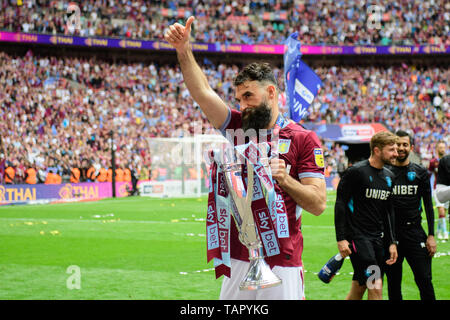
(389, 181)
(411, 175)
(284, 145)
(318, 157)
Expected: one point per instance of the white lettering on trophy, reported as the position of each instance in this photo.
(264, 177)
(210, 213)
(282, 226)
(269, 240)
(223, 238)
(223, 218)
(212, 237)
(222, 190)
(257, 191)
(264, 218)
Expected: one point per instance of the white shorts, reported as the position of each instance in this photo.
(442, 193)
(291, 288)
(438, 203)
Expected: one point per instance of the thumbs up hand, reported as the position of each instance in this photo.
(178, 35)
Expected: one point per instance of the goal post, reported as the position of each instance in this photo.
(179, 166)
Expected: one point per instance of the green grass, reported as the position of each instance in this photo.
(143, 248)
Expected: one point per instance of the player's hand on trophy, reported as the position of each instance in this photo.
(278, 168)
(178, 35)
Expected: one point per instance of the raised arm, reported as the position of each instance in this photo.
(211, 104)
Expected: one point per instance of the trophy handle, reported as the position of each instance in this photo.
(248, 223)
(248, 230)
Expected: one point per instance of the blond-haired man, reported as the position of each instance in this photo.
(364, 217)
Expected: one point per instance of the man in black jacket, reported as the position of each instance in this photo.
(411, 185)
(364, 217)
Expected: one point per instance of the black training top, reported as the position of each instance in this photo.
(411, 185)
(364, 203)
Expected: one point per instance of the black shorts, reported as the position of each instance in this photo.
(368, 258)
(412, 241)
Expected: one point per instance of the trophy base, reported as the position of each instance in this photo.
(259, 275)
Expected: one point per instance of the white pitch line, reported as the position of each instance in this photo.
(196, 271)
(128, 221)
(91, 220)
(180, 220)
(437, 255)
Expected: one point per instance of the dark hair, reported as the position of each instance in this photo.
(256, 72)
(401, 133)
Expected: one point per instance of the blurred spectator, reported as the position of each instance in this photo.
(30, 174)
(341, 22)
(75, 174)
(10, 174)
(102, 175)
(54, 117)
(119, 174)
(52, 178)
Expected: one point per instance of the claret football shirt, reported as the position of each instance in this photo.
(302, 152)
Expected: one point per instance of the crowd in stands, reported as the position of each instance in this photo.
(404, 97)
(57, 114)
(340, 22)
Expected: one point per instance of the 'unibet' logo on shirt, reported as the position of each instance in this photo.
(405, 190)
(377, 194)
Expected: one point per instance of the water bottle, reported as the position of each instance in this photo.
(330, 269)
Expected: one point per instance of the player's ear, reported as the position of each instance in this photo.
(272, 91)
(376, 151)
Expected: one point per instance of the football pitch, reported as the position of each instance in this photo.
(144, 248)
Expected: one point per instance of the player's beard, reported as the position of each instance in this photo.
(257, 117)
(389, 161)
(402, 159)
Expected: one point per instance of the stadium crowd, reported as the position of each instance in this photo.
(349, 22)
(56, 114)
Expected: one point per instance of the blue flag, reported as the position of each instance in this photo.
(301, 82)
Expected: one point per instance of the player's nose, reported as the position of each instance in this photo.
(243, 106)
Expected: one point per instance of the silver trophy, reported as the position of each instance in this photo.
(259, 274)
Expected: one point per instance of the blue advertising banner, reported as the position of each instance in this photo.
(57, 40)
(37, 193)
(345, 133)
